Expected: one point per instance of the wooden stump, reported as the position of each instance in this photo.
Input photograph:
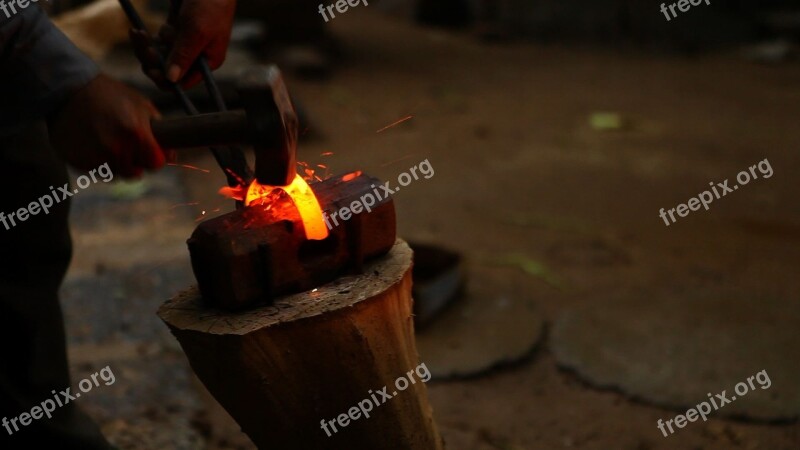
(280, 370)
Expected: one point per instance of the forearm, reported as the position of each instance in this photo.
(39, 68)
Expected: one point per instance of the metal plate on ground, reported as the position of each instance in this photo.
(485, 329)
(674, 351)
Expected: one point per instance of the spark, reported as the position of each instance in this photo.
(184, 204)
(322, 166)
(236, 193)
(187, 166)
(237, 177)
(395, 123)
(351, 176)
(326, 154)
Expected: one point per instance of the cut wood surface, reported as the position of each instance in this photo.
(281, 369)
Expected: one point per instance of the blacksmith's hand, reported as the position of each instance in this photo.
(107, 122)
(193, 28)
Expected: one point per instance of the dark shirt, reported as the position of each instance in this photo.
(39, 68)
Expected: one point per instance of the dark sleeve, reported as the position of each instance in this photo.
(39, 68)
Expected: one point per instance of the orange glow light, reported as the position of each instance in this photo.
(351, 176)
(303, 198)
(394, 124)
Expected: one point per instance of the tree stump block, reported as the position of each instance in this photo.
(280, 370)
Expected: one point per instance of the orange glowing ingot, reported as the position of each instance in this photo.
(304, 200)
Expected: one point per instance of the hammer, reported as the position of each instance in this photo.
(267, 122)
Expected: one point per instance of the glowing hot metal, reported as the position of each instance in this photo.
(302, 196)
(259, 252)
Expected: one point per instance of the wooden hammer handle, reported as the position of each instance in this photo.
(204, 130)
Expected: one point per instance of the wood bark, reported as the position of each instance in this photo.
(279, 370)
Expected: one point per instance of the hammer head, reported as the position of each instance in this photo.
(269, 108)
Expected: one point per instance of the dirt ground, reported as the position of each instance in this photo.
(518, 170)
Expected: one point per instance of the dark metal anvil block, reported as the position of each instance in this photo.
(247, 257)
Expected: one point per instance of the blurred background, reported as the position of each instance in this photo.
(557, 131)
